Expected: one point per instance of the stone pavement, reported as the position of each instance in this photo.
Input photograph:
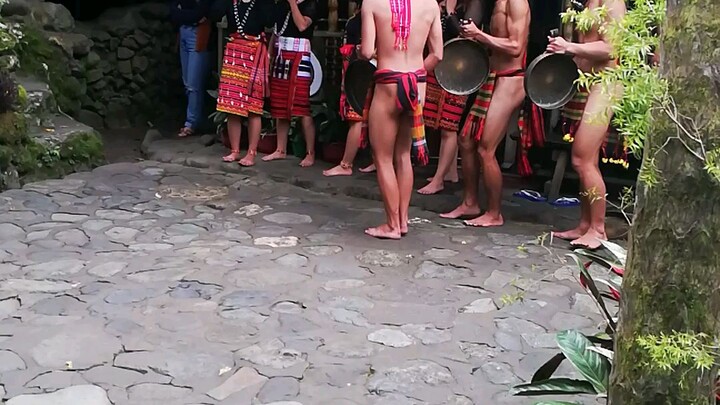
(152, 283)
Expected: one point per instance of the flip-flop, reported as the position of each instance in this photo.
(565, 202)
(530, 195)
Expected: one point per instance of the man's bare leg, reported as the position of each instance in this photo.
(507, 97)
(383, 128)
(585, 154)
(351, 147)
(234, 128)
(469, 206)
(404, 169)
(282, 128)
(308, 125)
(254, 128)
(448, 156)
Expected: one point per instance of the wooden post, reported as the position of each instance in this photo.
(333, 15)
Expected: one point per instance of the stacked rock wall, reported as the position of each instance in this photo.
(118, 69)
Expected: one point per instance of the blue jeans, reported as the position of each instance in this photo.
(194, 72)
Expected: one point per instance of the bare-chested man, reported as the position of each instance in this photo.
(398, 30)
(495, 104)
(592, 52)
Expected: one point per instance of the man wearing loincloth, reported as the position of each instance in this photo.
(589, 132)
(354, 118)
(399, 29)
(241, 93)
(291, 74)
(501, 95)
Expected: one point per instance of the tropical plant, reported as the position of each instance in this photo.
(591, 356)
(8, 92)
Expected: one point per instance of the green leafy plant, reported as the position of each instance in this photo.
(8, 93)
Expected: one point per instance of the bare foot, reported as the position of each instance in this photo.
(431, 188)
(248, 160)
(384, 232)
(452, 179)
(462, 210)
(233, 156)
(339, 170)
(486, 220)
(185, 132)
(308, 161)
(591, 240)
(277, 155)
(368, 169)
(571, 234)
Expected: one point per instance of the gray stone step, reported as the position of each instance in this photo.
(56, 129)
(41, 101)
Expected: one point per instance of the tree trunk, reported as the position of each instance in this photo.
(672, 280)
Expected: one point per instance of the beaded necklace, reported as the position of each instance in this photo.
(240, 24)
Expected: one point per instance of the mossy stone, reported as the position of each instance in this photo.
(13, 128)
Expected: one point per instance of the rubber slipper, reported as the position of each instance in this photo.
(566, 202)
(530, 195)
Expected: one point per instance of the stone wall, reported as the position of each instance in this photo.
(123, 65)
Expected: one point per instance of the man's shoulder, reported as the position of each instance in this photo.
(518, 6)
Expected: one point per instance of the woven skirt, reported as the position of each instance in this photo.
(442, 110)
(290, 78)
(243, 75)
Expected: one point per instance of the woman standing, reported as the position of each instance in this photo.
(354, 118)
(242, 89)
(191, 17)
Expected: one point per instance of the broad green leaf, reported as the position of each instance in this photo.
(557, 403)
(594, 292)
(592, 366)
(603, 261)
(616, 250)
(553, 386)
(548, 369)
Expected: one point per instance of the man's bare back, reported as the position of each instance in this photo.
(425, 16)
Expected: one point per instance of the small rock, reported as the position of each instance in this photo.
(430, 269)
(246, 378)
(481, 306)
(499, 373)
(292, 260)
(322, 250)
(279, 389)
(390, 337)
(125, 53)
(76, 395)
(288, 218)
(438, 253)
(381, 258)
(343, 284)
(277, 242)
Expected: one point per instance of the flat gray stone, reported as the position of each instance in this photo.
(108, 269)
(147, 393)
(39, 286)
(266, 277)
(480, 306)
(277, 241)
(498, 280)
(186, 365)
(56, 268)
(499, 373)
(390, 338)
(274, 359)
(77, 395)
(195, 289)
(9, 361)
(349, 348)
(11, 232)
(59, 306)
(288, 218)
(279, 389)
(430, 269)
(85, 345)
(333, 285)
(342, 315)
(381, 258)
(410, 378)
(95, 225)
(116, 215)
(246, 378)
(64, 217)
(427, 334)
(129, 296)
(322, 251)
(122, 234)
(247, 252)
(73, 237)
(287, 307)
(246, 299)
(8, 306)
(439, 253)
(292, 260)
(271, 230)
(479, 352)
(565, 321)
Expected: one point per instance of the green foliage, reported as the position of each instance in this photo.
(8, 93)
(13, 128)
(633, 40)
(668, 351)
(39, 57)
